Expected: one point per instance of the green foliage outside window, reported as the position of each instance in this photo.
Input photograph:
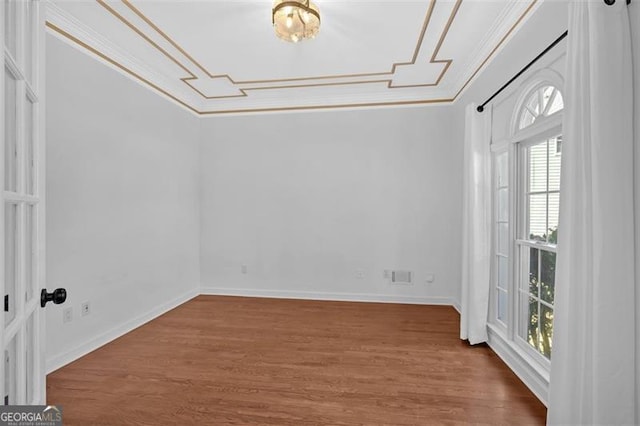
(540, 327)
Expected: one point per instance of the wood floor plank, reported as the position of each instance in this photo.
(247, 361)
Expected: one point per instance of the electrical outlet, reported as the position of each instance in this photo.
(243, 269)
(67, 315)
(85, 309)
(360, 274)
(429, 278)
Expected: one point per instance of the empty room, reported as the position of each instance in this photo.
(259, 212)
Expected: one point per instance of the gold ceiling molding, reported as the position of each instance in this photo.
(249, 110)
(117, 65)
(181, 50)
(144, 36)
(189, 107)
(243, 91)
(502, 40)
(186, 80)
(192, 76)
(433, 59)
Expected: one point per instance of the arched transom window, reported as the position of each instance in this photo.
(541, 102)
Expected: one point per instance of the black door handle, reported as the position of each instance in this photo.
(58, 296)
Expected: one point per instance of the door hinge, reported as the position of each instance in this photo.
(6, 303)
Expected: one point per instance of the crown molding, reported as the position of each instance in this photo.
(70, 25)
(316, 93)
(504, 27)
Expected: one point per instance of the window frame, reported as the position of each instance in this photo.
(545, 127)
(520, 242)
(497, 150)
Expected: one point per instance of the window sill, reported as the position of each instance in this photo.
(532, 374)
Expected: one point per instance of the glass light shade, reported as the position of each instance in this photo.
(295, 20)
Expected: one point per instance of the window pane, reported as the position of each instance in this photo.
(502, 167)
(503, 272)
(555, 159)
(29, 251)
(554, 210)
(10, 144)
(10, 250)
(547, 276)
(503, 205)
(538, 217)
(527, 119)
(534, 278)
(533, 104)
(533, 335)
(548, 96)
(538, 167)
(541, 102)
(502, 306)
(10, 376)
(557, 104)
(503, 239)
(29, 147)
(546, 330)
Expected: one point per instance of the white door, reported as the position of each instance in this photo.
(22, 224)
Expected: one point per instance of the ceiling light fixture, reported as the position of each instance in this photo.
(295, 20)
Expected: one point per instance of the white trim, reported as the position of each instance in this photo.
(75, 27)
(341, 297)
(499, 29)
(508, 22)
(108, 336)
(544, 128)
(527, 369)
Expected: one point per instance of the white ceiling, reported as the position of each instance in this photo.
(216, 56)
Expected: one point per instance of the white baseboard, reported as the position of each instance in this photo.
(338, 297)
(79, 351)
(534, 379)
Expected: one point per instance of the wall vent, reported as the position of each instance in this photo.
(401, 277)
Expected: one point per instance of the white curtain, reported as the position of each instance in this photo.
(476, 228)
(634, 14)
(593, 365)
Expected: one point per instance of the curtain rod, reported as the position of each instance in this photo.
(544, 52)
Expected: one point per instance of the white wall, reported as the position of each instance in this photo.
(122, 201)
(307, 199)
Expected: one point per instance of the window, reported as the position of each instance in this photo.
(526, 192)
(501, 226)
(540, 201)
(543, 102)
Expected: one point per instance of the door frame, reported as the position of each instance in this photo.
(28, 195)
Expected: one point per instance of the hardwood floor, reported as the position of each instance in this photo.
(228, 360)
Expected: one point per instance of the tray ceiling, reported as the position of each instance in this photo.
(216, 57)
